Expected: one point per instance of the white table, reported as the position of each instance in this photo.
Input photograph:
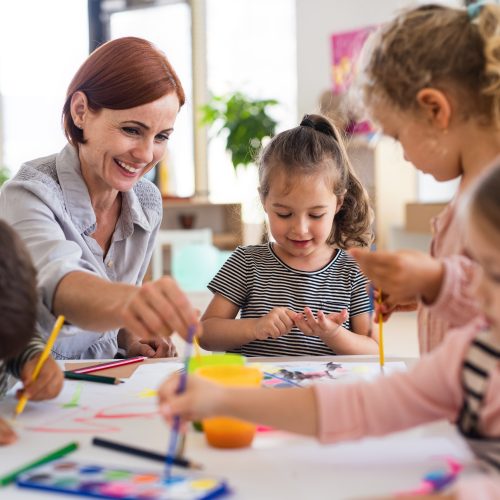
(278, 465)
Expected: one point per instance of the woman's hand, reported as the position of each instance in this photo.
(323, 326)
(159, 308)
(405, 276)
(48, 383)
(7, 435)
(202, 398)
(152, 348)
(277, 322)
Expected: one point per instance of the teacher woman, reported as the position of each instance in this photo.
(90, 219)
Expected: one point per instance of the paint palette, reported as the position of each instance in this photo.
(99, 481)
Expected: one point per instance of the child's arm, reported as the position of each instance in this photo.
(292, 409)
(222, 332)
(328, 327)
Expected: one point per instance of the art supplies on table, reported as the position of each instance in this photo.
(110, 364)
(91, 378)
(304, 373)
(140, 452)
(437, 479)
(101, 481)
(54, 455)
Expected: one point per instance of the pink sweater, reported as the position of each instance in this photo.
(430, 391)
(456, 303)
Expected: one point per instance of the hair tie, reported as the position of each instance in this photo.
(474, 9)
(307, 122)
(320, 126)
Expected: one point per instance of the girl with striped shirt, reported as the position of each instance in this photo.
(301, 294)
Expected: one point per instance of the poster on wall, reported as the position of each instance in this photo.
(345, 50)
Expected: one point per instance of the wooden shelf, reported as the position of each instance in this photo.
(224, 219)
(389, 179)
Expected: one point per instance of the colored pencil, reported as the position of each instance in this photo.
(197, 349)
(380, 331)
(91, 378)
(61, 452)
(372, 308)
(140, 452)
(41, 360)
(174, 436)
(109, 364)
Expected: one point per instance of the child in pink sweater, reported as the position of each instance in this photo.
(433, 84)
(459, 380)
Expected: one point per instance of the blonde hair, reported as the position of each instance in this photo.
(315, 146)
(440, 47)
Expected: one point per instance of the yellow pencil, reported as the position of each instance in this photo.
(41, 360)
(380, 331)
(197, 349)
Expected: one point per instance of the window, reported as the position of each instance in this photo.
(42, 46)
(251, 46)
(169, 28)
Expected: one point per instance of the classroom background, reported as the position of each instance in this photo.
(278, 59)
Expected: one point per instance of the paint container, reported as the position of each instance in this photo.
(216, 359)
(225, 432)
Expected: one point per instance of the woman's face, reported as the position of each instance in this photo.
(123, 145)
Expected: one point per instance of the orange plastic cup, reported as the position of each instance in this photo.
(225, 432)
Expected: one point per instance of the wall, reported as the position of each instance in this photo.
(316, 20)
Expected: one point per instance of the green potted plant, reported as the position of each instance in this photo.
(4, 174)
(245, 120)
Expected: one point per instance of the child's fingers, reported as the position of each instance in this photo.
(168, 389)
(311, 320)
(285, 323)
(302, 324)
(7, 435)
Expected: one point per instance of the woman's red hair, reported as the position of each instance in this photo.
(121, 74)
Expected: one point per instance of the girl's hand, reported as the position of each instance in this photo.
(325, 325)
(48, 384)
(159, 308)
(202, 398)
(7, 435)
(405, 276)
(386, 308)
(277, 322)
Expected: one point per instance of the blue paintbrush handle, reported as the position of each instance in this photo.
(176, 425)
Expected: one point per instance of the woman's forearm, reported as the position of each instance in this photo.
(90, 302)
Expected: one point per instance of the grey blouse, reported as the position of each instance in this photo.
(48, 203)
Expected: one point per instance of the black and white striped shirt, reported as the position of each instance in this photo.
(256, 280)
(481, 361)
(14, 366)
